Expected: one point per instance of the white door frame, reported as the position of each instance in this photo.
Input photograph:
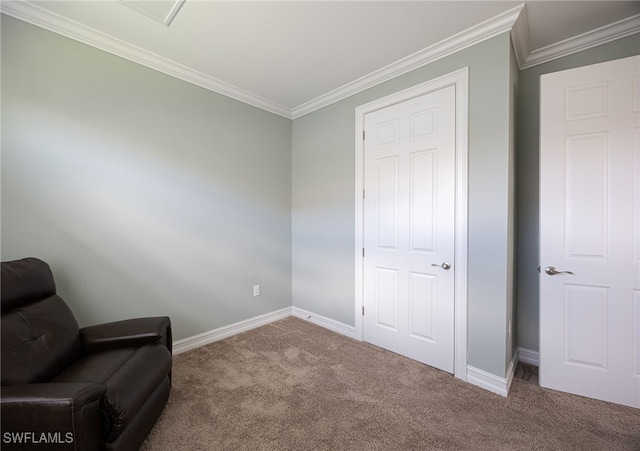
(459, 79)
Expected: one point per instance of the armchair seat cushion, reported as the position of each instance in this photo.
(130, 375)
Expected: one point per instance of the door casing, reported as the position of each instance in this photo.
(459, 79)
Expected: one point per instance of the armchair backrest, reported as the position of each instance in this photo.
(40, 335)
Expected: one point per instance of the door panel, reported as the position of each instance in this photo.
(589, 203)
(422, 303)
(586, 195)
(585, 311)
(423, 167)
(386, 294)
(387, 203)
(409, 180)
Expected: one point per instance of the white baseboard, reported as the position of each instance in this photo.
(189, 343)
(186, 344)
(529, 356)
(488, 381)
(325, 322)
(491, 382)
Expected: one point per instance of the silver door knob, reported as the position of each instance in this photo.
(552, 271)
(444, 265)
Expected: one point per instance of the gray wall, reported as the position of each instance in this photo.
(323, 188)
(147, 195)
(528, 181)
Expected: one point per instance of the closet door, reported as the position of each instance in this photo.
(409, 228)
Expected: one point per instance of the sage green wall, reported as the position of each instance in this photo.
(323, 186)
(528, 180)
(147, 195)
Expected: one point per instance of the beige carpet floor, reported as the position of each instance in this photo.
(292, 385)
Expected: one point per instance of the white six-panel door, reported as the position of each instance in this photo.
(409, 227)
(589, 231)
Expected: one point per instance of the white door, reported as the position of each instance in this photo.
(589, 231)
(409, 206)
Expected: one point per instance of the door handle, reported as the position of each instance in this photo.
(552, 271)
(445, 265)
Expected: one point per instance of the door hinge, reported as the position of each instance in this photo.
(363, 252)
(363, 194)
(363, 135)
(363, 310)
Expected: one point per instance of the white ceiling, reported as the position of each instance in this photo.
(292, 56)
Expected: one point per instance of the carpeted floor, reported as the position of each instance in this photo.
(292, 385)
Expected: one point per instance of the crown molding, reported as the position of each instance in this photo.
(514, 20)
(617, 30)
(40, 17)
(58, 24)
(467, 38)
(520, 37)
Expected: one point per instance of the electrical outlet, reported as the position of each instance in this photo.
(256, 290)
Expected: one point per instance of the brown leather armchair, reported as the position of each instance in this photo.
(99, 387)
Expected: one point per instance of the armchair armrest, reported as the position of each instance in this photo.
(130, 332)
(64, 414)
